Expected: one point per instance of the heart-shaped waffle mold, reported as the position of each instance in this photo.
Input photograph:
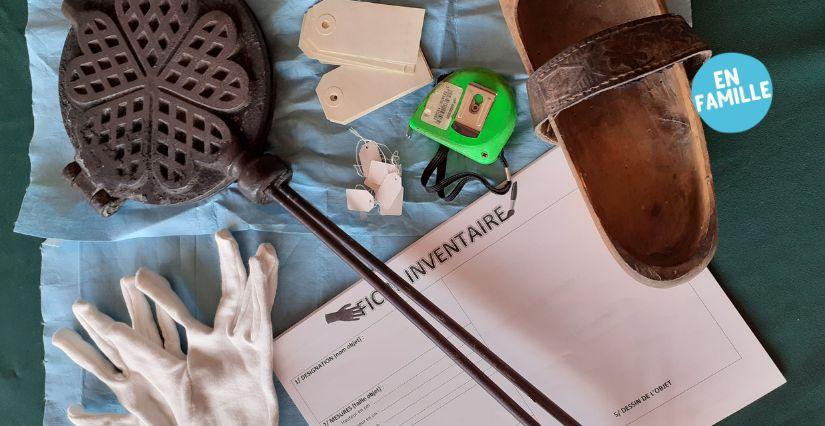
(160, 97)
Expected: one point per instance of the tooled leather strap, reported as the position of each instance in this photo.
(609, 59)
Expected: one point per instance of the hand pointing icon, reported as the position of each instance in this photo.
(346, 313)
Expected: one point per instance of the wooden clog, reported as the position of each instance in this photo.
(609, 85)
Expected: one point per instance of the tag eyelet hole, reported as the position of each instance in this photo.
(326, 24)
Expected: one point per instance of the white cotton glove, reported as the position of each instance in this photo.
(226, 375)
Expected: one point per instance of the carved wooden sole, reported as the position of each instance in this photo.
(638, 151)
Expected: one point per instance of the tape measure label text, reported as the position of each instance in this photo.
(442, 105)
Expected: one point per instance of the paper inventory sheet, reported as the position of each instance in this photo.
(543, 292)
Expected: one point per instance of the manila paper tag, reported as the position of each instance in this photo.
(390, 195)
(378, 171)
(375, 34)
(360, 200)
(368, 153)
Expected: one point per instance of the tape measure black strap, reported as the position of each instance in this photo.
(441, 170)
(438, 165)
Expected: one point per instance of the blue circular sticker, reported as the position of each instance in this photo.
(732, 92)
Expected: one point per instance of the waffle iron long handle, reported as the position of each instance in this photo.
(365, 263)
(266, 178)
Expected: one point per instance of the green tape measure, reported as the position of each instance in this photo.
(471, 112)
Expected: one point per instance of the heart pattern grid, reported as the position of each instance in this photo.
(151, 90)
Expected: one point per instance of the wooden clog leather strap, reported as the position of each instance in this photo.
(610, 59)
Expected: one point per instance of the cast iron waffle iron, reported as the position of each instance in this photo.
(168, 101)
(161, 98)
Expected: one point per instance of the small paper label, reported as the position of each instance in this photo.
(389, 190)
(395, 208)
(377, 172)
(441, 105)
(368, 153)
(360, 200)
(390, 196)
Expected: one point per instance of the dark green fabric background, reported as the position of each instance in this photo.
(770, 186)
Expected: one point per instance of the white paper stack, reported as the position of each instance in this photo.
(377, 47)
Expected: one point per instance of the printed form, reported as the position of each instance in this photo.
(541, 290)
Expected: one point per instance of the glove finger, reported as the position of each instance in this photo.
(269, 265)
(233, 279)
(153, 361)
(139, 310)
(243, 323)
(159, 290)
(80, 417)
(169, 332)
(97, 325)
(84, 355)
(255, 318)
